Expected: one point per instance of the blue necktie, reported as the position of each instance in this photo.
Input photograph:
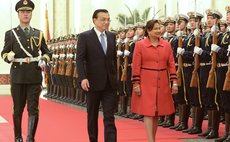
(103, 42)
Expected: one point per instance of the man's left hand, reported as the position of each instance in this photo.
(41, 63)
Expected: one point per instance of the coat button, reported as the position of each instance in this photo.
(28, 40)
(28, 47)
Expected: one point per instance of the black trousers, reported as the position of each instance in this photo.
(108, 99)
(25, 93)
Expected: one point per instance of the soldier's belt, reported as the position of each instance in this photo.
(187, 65)
(26, 60)
(205, 64)
(222, 65)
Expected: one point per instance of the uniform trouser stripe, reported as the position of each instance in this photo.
(199, 94)
(184, 87)
(216, 92)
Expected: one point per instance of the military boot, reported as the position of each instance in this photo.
(17, 128)
(180, 117)
(226, 134)
(214, 133)
(199, 115)
(193, 121)
(209, 125)
(184, 118)
(32, 127)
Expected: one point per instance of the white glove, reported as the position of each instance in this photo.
(62, 55)
(135, 38)
(228, 50)
(165, 35)
(10, 56)
(180, 50)
(41, 63)
(214, 29)
(228, 29)
(196, 32)
(215, 48)
(119, 52)
(119, 40)
(198, 50)
(179, 33)
(126, 53)
(126, 40)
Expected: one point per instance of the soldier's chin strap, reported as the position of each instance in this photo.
(21, 46)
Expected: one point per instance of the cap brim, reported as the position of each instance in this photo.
(25, 8)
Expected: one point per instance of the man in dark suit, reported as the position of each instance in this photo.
(96, 63)
(21, 48)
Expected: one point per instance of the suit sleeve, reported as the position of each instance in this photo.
(81, 57)
(7, 46)
(136, 65)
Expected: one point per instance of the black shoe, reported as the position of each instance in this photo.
(195, 130)
(18, 140)
(205, 133)
(213, 134)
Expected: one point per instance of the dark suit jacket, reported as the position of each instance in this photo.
(93, 64)
(25, 73)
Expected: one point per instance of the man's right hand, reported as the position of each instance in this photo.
(85, 85)
(10, 56)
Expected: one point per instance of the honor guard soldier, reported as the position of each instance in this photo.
(21, 49)
(225, 93)
(210, 95)
(181, 99)
(127, 69)
(186, 51)
(120, 60)
(223, 26)
(221, 50)
(140, 30)
(171, 37)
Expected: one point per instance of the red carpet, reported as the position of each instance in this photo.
(61, 123)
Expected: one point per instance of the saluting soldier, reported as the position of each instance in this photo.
(21, 48)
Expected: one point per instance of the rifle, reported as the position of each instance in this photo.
(75, 73)
(211, 77)
(124, 71)
(69, 67)
(194, 79)
(227, 78)
(180, 63)
(56, 63)
(118, 62)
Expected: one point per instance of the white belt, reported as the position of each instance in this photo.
(26, 60)
(187, 65)
(222, 64)
(205, 64)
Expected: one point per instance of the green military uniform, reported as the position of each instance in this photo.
(26, 75)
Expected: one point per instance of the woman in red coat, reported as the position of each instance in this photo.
(154, 78)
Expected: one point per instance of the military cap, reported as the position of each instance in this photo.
(130, 27)
(170, 20)
(227, 8)
(121, 29)
(217, 14)
(182, 17)
(223, 22)
(194, 15)
(140, 25)
(24, 5)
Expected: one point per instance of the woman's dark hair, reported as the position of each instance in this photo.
(97, 11)
(149, 26)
